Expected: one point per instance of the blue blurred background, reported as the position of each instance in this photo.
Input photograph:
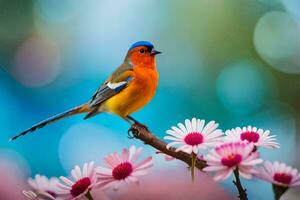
(236, 62)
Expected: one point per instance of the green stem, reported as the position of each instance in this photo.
(238, 184)
(193, 163)
(278, 191)
(89, 196)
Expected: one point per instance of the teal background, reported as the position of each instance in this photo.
(232, 61)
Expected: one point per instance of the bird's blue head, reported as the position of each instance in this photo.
(142, 52)
(141, 43)
(144, 46)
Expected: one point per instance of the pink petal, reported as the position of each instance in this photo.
(74, 174)
(214, 168)
(104, 171)
(136, 155)
(117, 157)
(139, 173)
(66, 180)
(125, 155)
(222, 175)
(111, 162)
(143, 162)
(106, 185)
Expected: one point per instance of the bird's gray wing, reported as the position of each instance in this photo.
(115, 84)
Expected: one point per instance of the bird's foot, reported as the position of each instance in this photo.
(138, 124)
(134, 130)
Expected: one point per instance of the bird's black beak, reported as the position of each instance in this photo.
(154, 52)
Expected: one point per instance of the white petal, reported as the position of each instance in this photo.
(84, 170)
(178, 131)
(194, 124)
(182, 127)
(172, 144)
(209, 127)
(78, 171)
(188, 125)
(174, 133)
(200, 125)
(185, 148)
(173, 138)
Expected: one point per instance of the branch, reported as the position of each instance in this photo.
(238, 184)
(142, 133)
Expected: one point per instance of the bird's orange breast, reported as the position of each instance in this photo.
(137, 94)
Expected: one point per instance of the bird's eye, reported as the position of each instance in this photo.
(142, 50)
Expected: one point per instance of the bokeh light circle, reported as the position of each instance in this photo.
(37, 62)
(293, 7)
(277, 40)
(55, 11)
(242, 87)
(14, 170)
(86, 142)
(14, 162)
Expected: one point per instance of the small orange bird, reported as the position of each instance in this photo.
(131, 86)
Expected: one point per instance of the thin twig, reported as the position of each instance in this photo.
(278, 191)
(194, 157)
(141, 133)
(238, 184)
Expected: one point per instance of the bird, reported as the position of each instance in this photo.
(129, 88)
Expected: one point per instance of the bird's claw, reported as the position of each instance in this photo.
(142, 126)
(130, 135)
(133, 131)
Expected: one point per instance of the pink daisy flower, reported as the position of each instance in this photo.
(194, 136)
(279, 174)
(123, 168)
(42, 184)
(229, 156)
(258, 137)
(84, 181)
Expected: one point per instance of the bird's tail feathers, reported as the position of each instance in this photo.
(77, 110)
(92, 113)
